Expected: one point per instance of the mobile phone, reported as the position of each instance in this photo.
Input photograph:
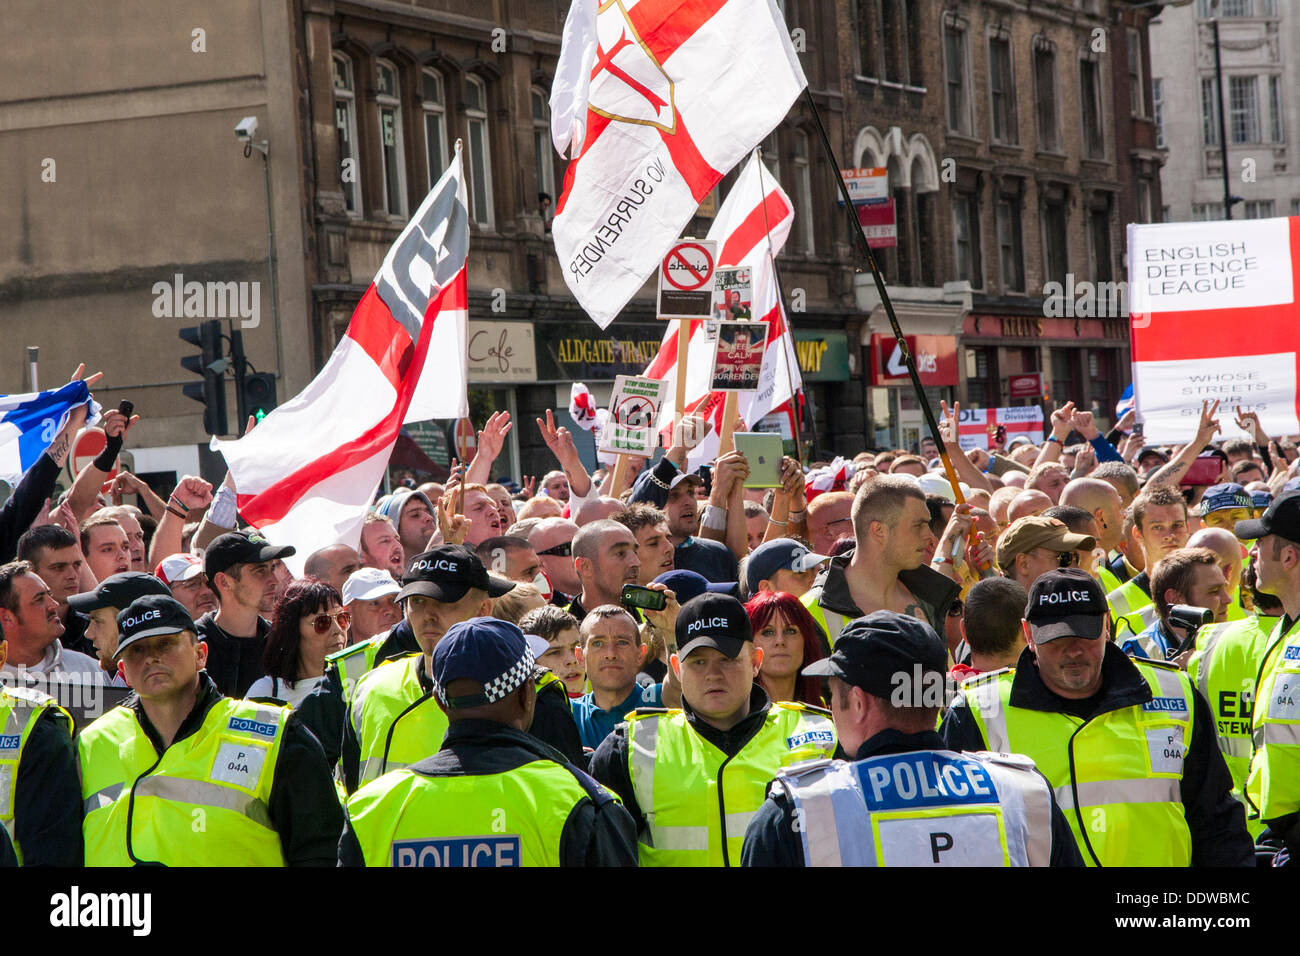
(1137, 429)
(636, 596)
(126, 408)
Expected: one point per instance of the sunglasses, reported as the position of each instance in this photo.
(323, 622)
(957, 608)
(559, 551)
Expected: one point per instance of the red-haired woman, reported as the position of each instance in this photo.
(788, 636)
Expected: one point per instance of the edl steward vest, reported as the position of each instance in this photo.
(219, 777)
(517, 818)
(697, 801)
(928, 808)
(1131, 608)
(20, 708)
(1122, 801)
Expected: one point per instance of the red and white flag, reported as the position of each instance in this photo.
(678, 92)
(755, 205)
(974, 423)
(307, 473)
(1215, 315)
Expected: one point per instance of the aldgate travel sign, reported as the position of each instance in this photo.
(580, 352)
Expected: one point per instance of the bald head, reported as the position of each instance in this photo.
(603, 507)
(1101, 500)
(1226, 548)
(1028, 503)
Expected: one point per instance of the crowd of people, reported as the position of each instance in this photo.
(1055, 653)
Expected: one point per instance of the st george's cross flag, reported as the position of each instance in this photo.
(307, 473)
(755, 205)
(1215, 316)
(678, 91)
(974, 425)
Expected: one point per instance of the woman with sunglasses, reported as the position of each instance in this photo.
(309, 624)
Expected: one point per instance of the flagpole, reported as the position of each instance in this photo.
(789, 329)
(864, 249)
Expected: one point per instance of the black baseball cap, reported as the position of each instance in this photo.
(1281, 518)
(713, 620)
(241, 547)
(447, 573)
(872, 649)
(118, 591)
(1066, 603)
(484, 650)
(150, 616)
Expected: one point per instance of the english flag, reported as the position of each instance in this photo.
(678, 91)
(1214, 316)
(307, 473)
(755, 205)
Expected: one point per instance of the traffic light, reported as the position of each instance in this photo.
(211, 364)
(259, 394)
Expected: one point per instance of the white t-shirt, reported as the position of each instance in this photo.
(292, 693)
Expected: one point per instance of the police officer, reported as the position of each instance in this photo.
(41, 813)
(1273, 785)
(820, 813)
(1128, 745)
(392, 720)
(693, 778)
(102, 606)
(179, 754)
(493, 795)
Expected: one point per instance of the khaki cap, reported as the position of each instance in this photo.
(1025, 534)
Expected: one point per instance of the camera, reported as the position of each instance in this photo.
(1191, 620)
(246, 129)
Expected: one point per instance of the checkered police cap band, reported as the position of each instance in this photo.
(499, 687)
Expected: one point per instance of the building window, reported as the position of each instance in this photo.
(1207, 211)
(1144, 200)
(1010, 247)
(954, 63)
(803, 220)
(772, 155)
(1158, 109)
(868, 47)
(1243, 110)
(1099, 242)
(1094, 142)
(480, 157)
(966, 233)
(1275, 110)
(1209, 111)
(434, 106)
(1064, 377)
(894, 36)
(388, 99)
(925, 240)
(1257, 209)
(1136, 100)
(1295, 207)
(1002, 90)
(345, 128)
(982, 378)
(1049, 133)
(542, 144)
(1055, 240)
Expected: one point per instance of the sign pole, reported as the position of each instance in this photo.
(621, 464)
(683, 353)
(729, 413)
(864, 250)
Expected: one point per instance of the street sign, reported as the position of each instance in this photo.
(1028, 385)
(85, 449)
(866, 184)
(686, 280)
(633, 414)
(466, 441)
(935, 356)
(878, 224)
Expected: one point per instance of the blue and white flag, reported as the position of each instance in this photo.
(29, 422)
(1125, 403)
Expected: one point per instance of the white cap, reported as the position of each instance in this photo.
(367, 584)
(933, 484)
(178, 567)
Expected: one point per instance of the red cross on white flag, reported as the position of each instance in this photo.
(975, 423)
(674, 94)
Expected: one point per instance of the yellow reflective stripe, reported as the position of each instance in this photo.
(102, 798)
(204, 794)
(1100, 793)
(680, 838)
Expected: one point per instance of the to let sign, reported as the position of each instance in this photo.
(935, 357)
(878, 224)
(1028, 385)
(871, 182)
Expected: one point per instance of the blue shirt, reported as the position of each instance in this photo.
(594, 724)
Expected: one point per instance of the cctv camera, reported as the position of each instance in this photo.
(246, 129)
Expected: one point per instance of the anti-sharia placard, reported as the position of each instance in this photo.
(633, 411)
(738, 356)
(1214, 316)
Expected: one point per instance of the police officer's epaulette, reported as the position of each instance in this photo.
(809, 708)
(653, 711)
(358, 648)
(1167, 665)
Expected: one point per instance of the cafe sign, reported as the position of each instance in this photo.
(501, 352)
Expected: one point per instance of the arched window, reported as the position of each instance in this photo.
(803, 218)
(434, 107)
(345, 127)
(388, 99)
(542, 144)
(480, 157)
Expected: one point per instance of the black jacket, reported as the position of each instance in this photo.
(74, 634)
(609, 764)
(304, 806)
(934, 592)
(598, 831)
(552, 723)
(47, 795)
(1215, 818)
(25, 504)
(773, 838)
(234, 663)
